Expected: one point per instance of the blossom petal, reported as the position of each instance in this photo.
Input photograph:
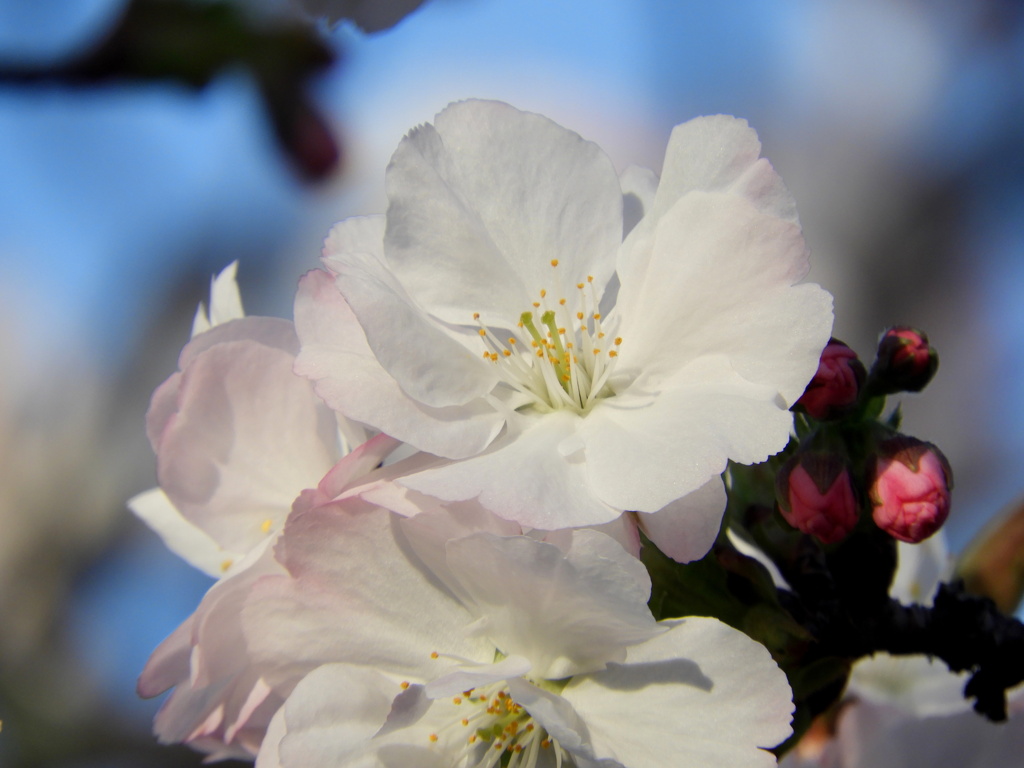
(481, 203)
(720, 280)
(247, 436)
(525, 478)
(349, 597)
(700, 694)
(686, 528)
(348, 377)
(643, 453)
(566, 615)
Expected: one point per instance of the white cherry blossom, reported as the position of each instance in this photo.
(446, 640)
(561, 368)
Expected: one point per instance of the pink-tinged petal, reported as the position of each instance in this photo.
(356, 465)
(482, 202)
(524, 477)
(686, 528)
(721, 280)
(268, 756)
(247, 437)
(567, 615)
(350, 596)
(700, 694)
(183, 538)
(169, 663)
(348, 377)
(268, 331)
(644, 452)
(433, 365)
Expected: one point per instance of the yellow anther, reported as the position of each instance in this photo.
(618, 340)
(529, 726)
(404, 685)
(225, 565)
(568, 345)
(534, 343)
(494, 357)
(554, 262)
(597, 315)
(579, 315)
(467, 693)
(472, 739)
(580, 286)
(506, 353)
(266, 524)
(540, 353)
(482, 332)
(512, 339)
(613, 353)
(561, 331)
(434, 654)
(562, 302)
(536, 304)
(499, 746)
(465, 721)
(543, 293)
(433, 737)
(597, 351)
(600, 335)
(476, 315)
(546, 743)
(566, 377)
(590, 278)
(457, 700)
(487, 355)
(517, 748)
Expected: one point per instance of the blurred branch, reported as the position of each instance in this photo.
(191, 43)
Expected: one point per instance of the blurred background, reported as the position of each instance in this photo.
(898, 126)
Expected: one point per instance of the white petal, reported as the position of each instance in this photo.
(348, 377)
(920, 569)
(428, 362)
(183, 538)
(360, 234)
(720, 280)
(524, 477)
(481, 202)
(639, 186)
(225, 298)
(686, 528)
(566, 615)
(701, 694)
(353, 595)
(645, 451)
(465, 677)
(332, 715)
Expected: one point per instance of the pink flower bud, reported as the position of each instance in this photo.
(910, 487)
(816, 496)
(836, 386)
(905, 362)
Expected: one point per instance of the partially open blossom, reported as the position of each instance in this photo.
(815, 495)
(910, 488)
(564, 362)
(836, 385)
(905, 361)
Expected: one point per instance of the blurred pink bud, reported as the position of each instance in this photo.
(836, 386)
(905, 362)
(816, 496)
(910, 488)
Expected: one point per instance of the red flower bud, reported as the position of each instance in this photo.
(905, 362)
(815, 495)
(836, 386)
(910, 485)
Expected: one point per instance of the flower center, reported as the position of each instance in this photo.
(559, 355)
(490, 729)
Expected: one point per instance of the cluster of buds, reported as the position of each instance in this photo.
(850, 461)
